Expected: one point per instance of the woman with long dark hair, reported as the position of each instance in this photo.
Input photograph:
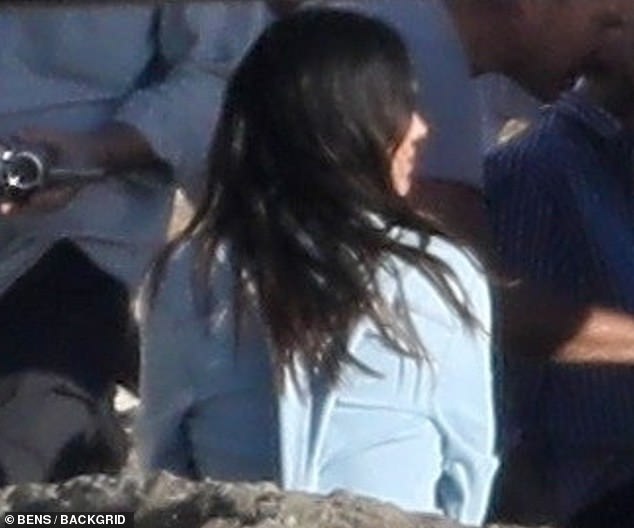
(308, 326)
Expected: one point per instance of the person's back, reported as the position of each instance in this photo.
(309, 327)
(558, 198)
(315, 437)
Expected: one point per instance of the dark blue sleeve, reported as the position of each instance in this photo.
(531, 215)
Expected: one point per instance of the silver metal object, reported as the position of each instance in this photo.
(25, 170)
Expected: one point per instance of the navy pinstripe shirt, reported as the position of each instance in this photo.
(561, 202)
(562, 205)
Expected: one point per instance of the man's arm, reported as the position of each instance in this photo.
(114, 147)
(540, 325)
(528, 219)
(606, 336)
(535, 323)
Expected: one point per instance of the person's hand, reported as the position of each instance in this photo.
(114, 147)
(69, 150)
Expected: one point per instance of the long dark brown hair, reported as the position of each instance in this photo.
(299, 189)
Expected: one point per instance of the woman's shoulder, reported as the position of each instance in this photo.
(420, 294)
(462, 261)
(459, 259)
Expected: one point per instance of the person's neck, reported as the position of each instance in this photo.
(483, 33)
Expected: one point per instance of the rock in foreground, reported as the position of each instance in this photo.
(166, 501)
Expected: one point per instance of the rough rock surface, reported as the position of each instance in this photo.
(166, 501)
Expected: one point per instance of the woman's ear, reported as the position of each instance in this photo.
(405, 157)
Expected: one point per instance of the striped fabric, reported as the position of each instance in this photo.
(561, 204)
(560, 201)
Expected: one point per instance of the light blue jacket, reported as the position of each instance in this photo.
(420, 435)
